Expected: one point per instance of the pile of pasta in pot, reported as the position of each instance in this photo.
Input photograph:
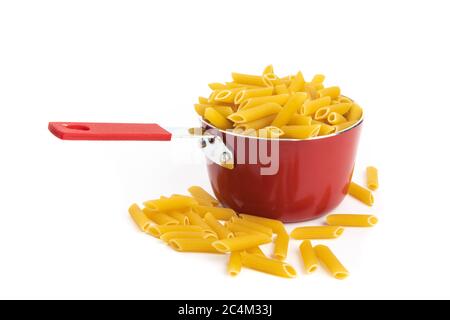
(272, 107)
(197, 223)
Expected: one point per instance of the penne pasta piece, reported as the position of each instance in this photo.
(271, 80)
(276, 226)
(310, 261)
(343, 126)
(253, 225)
(227, 95)
(325, 129)
(234, 264)
(317, 233)
(193, 245)
(203, 198)
(352, 220)
(318, 78)
(225, 111)
(218, 212)
(202, 100)
(217, 86)
(139, 217)
(257, 124)
(182, 218)
(270, 132)
(241, 243)
(268, 69)
(310, 107)
(233, 85)
(221, 231)
(362, 194)
(157, 231)
(299, 120)
(247, 115)
(281, 89)
(171, 204)
(200, 109)
(160, 218)
(355, 112)
(289, 109)
(372, 178)
(248, 79)
(240, 228)
(343, 99)
(166, 237)
(281, 247)
(298, 83)
(216, 119)
(341, 108)
(280, 99)
(196, 220)
(331, 263)
(255, 250)
(335, 118)
(252, 93)
(301, 132)
(270, 266)
(332, 92)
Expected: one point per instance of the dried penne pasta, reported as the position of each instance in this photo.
(331, 263)
(270, 132)
(271, 266)
(227, 95)
(171, 204)
(251, 114)
(352, 220)
(255, 250)
(234, 264)
(362, 194)
(160, 218)
(335, 118)
(200, 109)
(317, 233)
(139, 217)
(241, 243)
(217, 119)
(257, 124)
(166, 237)
(240, 228)
(253, 225)
(301, 132)
(281, 247)
(343, 126)
(182, 218)
(268, 69)
(217, 86)
(223, 110)
(318, 78)
(299, 120)
(271, 80)
(248, 79)
(202, 100)
(325, 129)
(332, 92)
(280, 99)
(157, 231)
(218, 212)
(355, 112)
(276, 226)
(298, 83)
(193, 245)
(196, 220)
(252, 93)
(372, 178)
(281, 89)
(341, 108)
(310, 261)
(289, 109)
(203, 198)
(221, 231)
(310, 107)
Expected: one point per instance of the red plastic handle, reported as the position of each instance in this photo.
(109, 131)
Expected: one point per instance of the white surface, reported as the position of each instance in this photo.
(64, 227)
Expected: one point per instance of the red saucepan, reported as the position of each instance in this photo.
(285, 179)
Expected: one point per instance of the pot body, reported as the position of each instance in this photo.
(312, 176)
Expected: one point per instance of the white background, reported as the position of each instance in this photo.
(64, 226)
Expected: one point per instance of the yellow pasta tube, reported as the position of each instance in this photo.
(223, 110)
(280, 99)
(255, 250)
(289, 109)
(310, 107)
(281, 89)
(202, 100)
(233, 85)
(216, 119)
(160, 217)
(298, 83)
(301, 132)
(203, 198)
(166, 237)
(139, 217)
(341, 108)
(257, 124)
(343, 126)
(196, 220)
(360, 193)
(171, 204)
(219, 213)
(254, 226)
(200, 109)
(254, 113)
(331, 263)
(344, 99)
(157, 231)
(332, 92)
(336, 118)
(266, 265)
(276, 226)
(182, 218)
(234, 264)
(217, 86)
(310, 261)
(241, 243)
(281, 247)
(193, 245)
(372, 178)
(271, 80)
(318, 78)
(251, 93)
(316, 233)
(268, 69)
(355, 112)
(240, 228)
(325, 129)
(352, 220)
(299, 120)
(270, 132)
(248, 79)
(227, 95)
(221, 231)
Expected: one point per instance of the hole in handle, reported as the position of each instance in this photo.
(76, 127)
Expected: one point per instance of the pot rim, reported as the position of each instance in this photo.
(358, 123)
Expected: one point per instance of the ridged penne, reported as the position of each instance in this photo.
(221, 231)
(166, 237)
(280, 99)
(271, 80)
(310, 261)
(281, 89)
(234, 264)
(335, 118)
(331, 263)
(241, 243)
(344, 126)
(310, 107)
(257, 124)
(237, 228)
(193, 245)
(276, 226)
(298, 83)
(196, 220)
(301, 132)
(372, 178)
(300, 120)
(139, 217)
(252, 93)
(362, 194)
(217, 119)
(181, 217)
(281, 247)
(248, 79)
(266, 265)
(352, 220)
(157, 231)
(332, 92)
(218, 212)
(254, 113)
(253, 225)
(202, 100)
(325, 129)
(203, 198)
(227, 95)
(171, 204)
(317, 233)
(255, 250)
(341, 108)
(160, 218)
(355, 112)
(292, 105)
